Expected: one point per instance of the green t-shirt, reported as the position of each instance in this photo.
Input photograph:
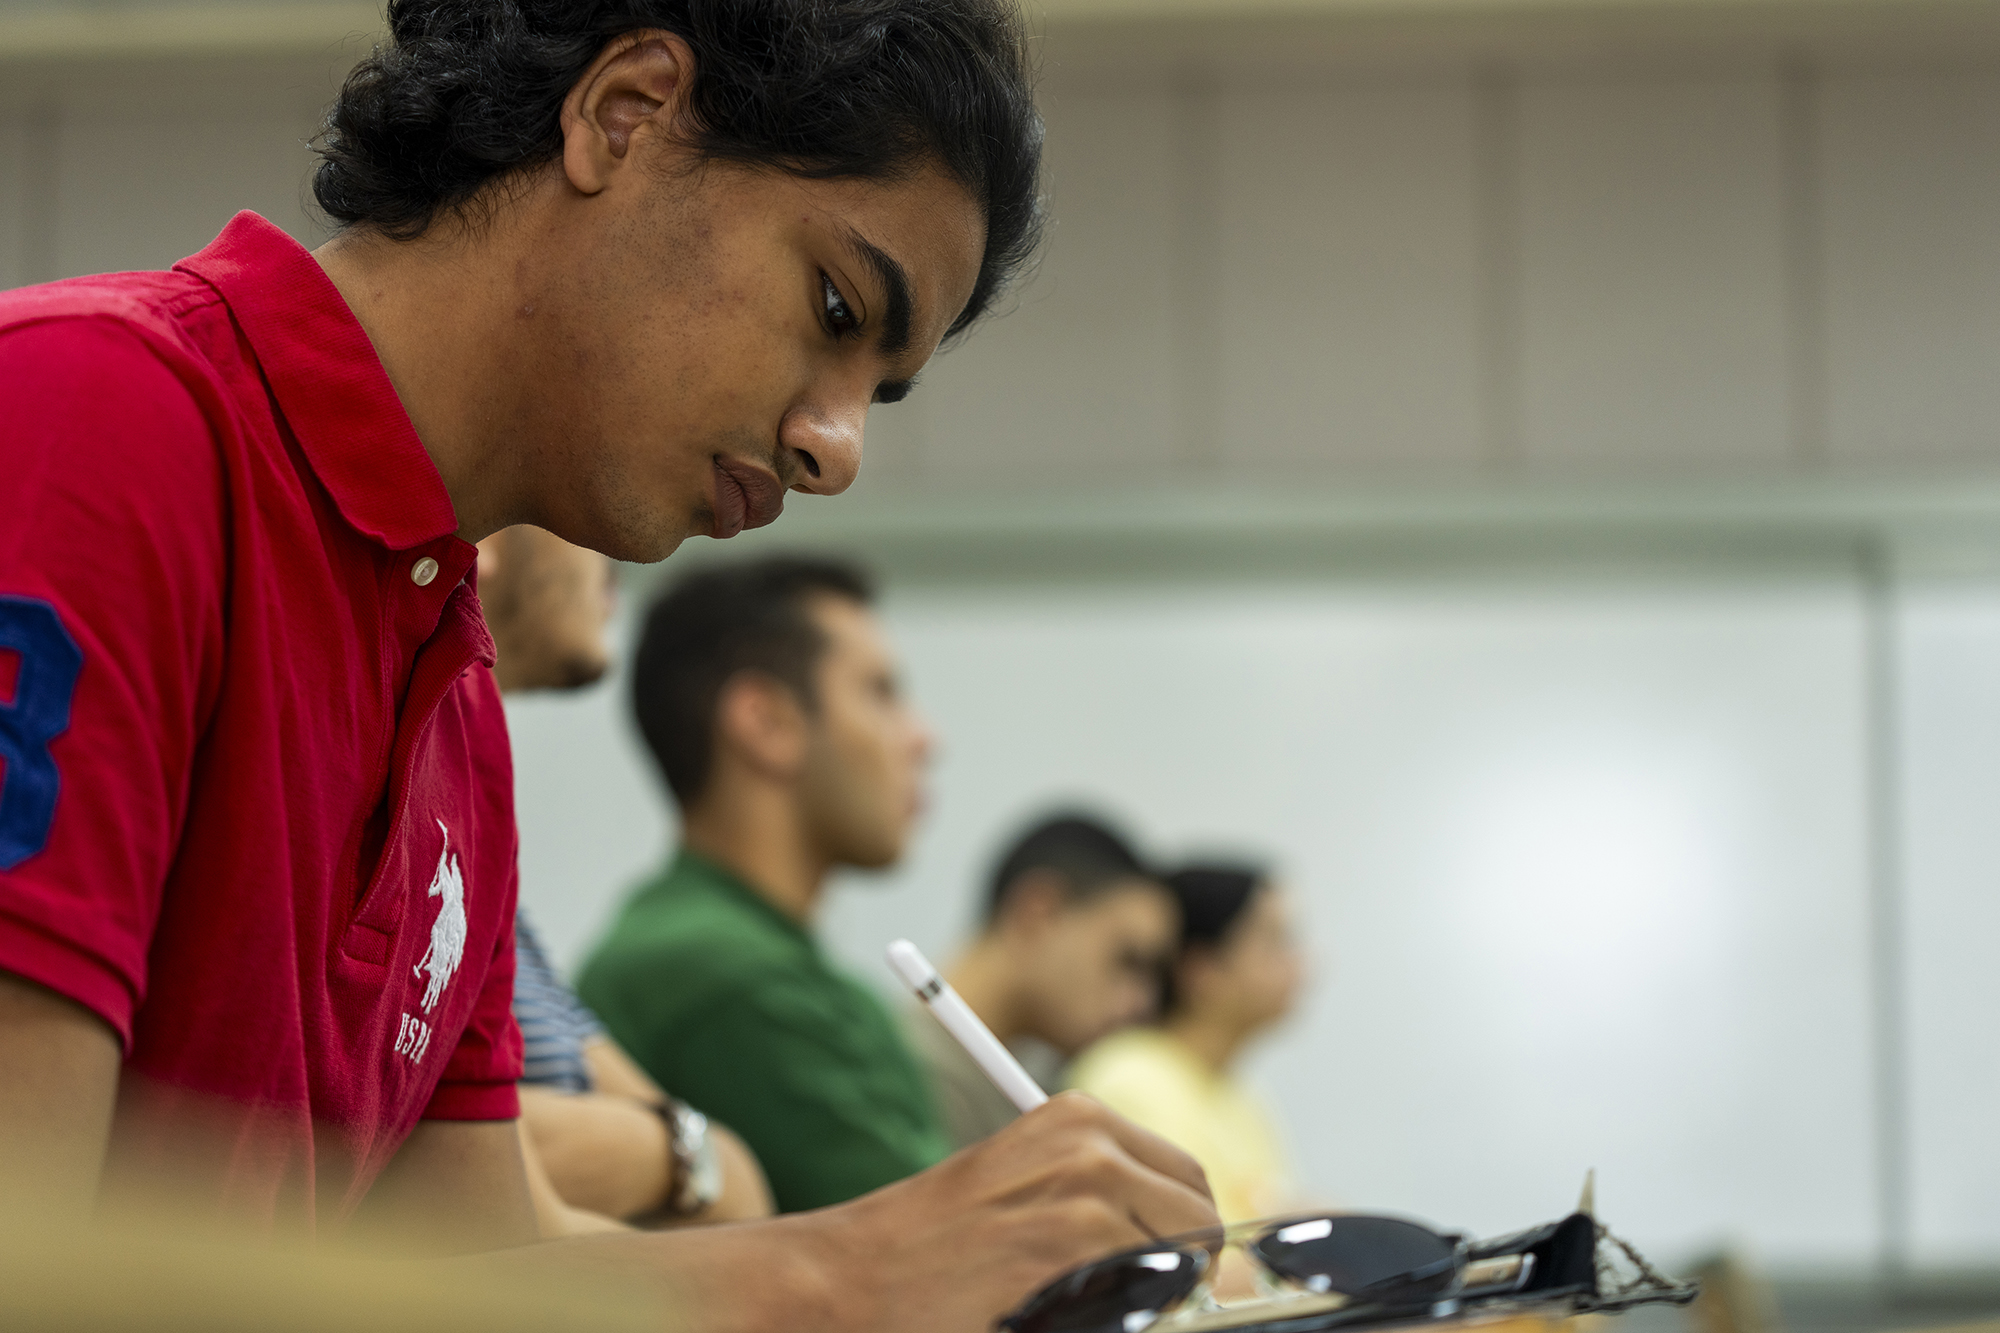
(730, 1005)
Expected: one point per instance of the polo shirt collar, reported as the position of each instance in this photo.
(329, 383)
(690, 865)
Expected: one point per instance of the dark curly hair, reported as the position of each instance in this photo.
(469, 91)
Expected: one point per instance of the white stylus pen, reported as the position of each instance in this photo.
(999, 1064)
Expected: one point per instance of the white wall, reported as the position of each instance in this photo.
(1447, 270)
(1569, 271)
(1553, 849)
(1585, 867)
(1951, 789)
(106, 167)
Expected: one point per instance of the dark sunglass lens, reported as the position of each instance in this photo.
(1122, 1294)
(1375, 1257)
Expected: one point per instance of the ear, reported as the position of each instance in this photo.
(638, 85)
(1033, 902)
(760, 721)
(491, 558)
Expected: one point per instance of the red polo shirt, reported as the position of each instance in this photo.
(257, 806)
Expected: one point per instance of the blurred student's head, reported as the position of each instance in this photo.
(1086, 928)
(774, 677)
(1239, 966)
(546, 603)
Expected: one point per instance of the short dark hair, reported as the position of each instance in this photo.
(466, 92)
(1086, 853)
(1212, 896)
(753, 616)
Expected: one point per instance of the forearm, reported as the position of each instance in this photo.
(774, 1276)
(609, 1155)
(554, 1218)
(606, 1154)
(614, 1072)
(454, 1187)
(564, 1221)
(58, 1082)
(949, 1250)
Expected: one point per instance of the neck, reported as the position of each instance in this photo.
(758, 836)
(985, 977)
(1215, 1041)
(448, 315)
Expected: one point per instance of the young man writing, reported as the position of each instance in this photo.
(624, 272)
(1077, 936)
(769, 698)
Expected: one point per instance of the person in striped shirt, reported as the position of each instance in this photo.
(604, 1144)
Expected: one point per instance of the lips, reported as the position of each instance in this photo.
(746, 496)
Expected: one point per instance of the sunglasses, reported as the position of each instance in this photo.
(1364, 1268)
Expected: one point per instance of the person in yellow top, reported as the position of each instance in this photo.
(1237, 974)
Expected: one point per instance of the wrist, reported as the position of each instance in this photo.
(831, 1263)
(694, 1170)
(660, 1199)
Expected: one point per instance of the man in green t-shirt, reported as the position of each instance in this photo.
(769, 697)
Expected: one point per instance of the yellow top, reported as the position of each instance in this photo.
(1155, 1081)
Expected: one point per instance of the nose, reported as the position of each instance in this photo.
(826, 445)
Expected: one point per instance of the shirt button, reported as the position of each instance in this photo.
(423, 572)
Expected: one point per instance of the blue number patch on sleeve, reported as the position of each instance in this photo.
(50, 663)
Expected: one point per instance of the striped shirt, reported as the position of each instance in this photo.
(555, 1025)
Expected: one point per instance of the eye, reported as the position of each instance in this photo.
(839, 316)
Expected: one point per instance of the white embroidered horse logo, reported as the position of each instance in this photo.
(447, 949)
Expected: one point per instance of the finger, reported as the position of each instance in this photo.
(1121, 1208)
(1161, 1206)
(1154, 1203)
(1144, 1146)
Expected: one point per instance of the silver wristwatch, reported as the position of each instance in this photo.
(697, 1170)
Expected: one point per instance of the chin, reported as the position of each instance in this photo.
(645, 548)
(875, 853)
(625, 527)
(1076, 1040)
(581, 669)
(638, 546)
(874, 858)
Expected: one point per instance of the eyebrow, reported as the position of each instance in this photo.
(899, 315)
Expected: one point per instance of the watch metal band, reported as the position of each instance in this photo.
(697, 1171)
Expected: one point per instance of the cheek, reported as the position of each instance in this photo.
(895, 756)
(1248, 976)
(1114, 986)
(1068, 965)
(707, 360)
(869, 754)
(1281, 977)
